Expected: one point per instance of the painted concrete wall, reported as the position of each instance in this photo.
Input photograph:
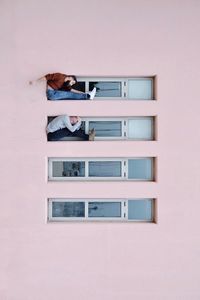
(91, 260)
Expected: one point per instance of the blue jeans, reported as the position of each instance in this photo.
(65, 95)
(61, 133)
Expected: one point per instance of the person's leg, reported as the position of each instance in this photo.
(84, 136)
(66, 95)
(81, 134)
(58, 135)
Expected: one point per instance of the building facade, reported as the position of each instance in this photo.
(146, 245)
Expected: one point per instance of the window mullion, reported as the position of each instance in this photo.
(50, 209)
(125, 127)
(86, 126)
(50, 173)
(123, 210)
(87, 85)
(86, 169)
(126, 168)
(126, 209)
(125, 91)
(86, 209)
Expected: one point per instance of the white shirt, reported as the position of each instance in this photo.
(61, 122)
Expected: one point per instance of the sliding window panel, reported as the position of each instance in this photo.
(104, 209)
(141, 129)
(110, 89)
(105, 169)
(140, 169)
(106, 128)
(68, 168)
(68, 209)
(140, 89)
(140, 210)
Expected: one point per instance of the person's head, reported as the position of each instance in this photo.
(71, 79)
(73, 119)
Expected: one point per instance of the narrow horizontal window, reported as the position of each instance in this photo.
(126, 210)
(115, 128)
(137, 169)
(119, 88)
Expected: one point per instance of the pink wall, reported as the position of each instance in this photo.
(95, 261)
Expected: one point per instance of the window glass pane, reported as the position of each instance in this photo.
(140, 89)
(68, 209)
(106, 128)
(68, 169)
(104, 209)
(105, 169)
(140, 209)
(106, 89)
(140, 129)
(140, 168)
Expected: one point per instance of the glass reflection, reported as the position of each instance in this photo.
(140, 209)
(106, 128)
(105, 169)
(104, 209)
(68, 169)
(68, 209)
(106, 89)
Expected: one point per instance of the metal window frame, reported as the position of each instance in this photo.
(124, 125)
(124, 169)
(124, 210)
(124, 86)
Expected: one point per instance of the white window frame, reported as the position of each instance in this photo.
(124, 169)
(124, 210)
(124, 85)
(124, 124)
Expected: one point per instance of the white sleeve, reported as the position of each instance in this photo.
(71, 127)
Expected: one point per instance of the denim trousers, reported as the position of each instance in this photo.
(65, 95)
(61, 133)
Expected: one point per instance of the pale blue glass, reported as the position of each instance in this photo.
(104, 209)
(140, 210)
(140, 129)
(106, 128)
(140, 89)
(106, 88)
(140, 168)
(105, 169)
(68, 209)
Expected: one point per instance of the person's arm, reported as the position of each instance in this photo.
(76, 91)
(37, 80)
(71, 127)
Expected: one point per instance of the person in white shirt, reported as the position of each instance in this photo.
(64, 125)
